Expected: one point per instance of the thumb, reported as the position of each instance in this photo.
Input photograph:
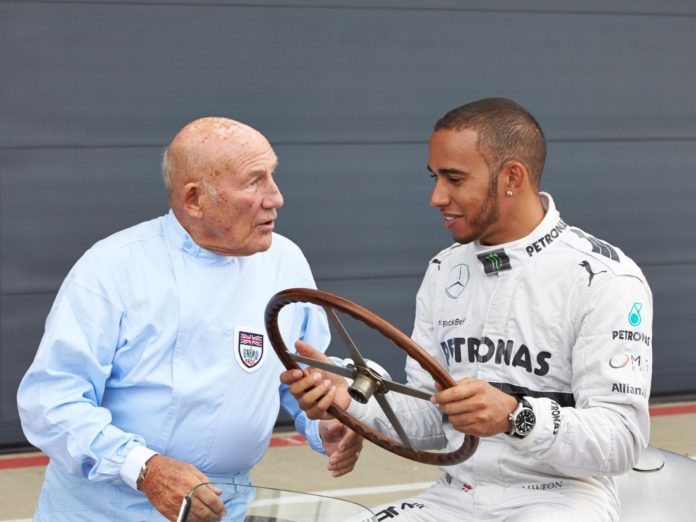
(308, 351)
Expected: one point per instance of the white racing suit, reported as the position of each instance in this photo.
(560, 318)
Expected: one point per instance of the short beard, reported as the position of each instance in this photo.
(487, 215)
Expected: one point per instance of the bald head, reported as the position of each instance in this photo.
(207, 147)
(219, 174)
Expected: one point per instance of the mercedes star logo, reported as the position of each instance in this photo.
(459, 278)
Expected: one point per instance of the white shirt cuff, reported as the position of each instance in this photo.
(131, 467)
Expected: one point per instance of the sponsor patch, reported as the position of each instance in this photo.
(634, 318)
(627, 389)
(495, 261)
(455, 321)
(394, 511)
(250, 349)
(631, 335)
(556, 484)
(630, 361)
(546, 239)
(458, 279)
(555, 416)
(500, 351)
(591, 273)
(451, 481)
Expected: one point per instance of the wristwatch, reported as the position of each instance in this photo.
(522, 419)
(141, 475)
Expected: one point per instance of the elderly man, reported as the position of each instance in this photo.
(154, 372)
(545, 328)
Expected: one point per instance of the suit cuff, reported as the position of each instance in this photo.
(134, 462)
(313, 437)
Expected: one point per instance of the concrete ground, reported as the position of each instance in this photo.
(379, 476)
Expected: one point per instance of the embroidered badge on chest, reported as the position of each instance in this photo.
(249, 349)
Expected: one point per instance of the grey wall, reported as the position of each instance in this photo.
(347, 92)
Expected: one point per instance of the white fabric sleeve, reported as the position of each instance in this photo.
(130, 470)
(421, 420)
(611, 367)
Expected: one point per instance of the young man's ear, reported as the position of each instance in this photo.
(513, 177)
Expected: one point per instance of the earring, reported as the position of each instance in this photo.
(509, 193)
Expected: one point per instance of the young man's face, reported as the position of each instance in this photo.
(463, 190)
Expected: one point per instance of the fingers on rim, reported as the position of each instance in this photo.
(209, 501)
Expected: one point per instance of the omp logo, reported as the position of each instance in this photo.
(495, 261)
(628, 360)
(459, 278)
(634, 318)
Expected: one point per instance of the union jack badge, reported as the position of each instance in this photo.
(249, 349)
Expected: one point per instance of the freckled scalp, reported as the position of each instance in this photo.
(208, 147)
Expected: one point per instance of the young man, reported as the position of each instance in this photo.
(545, 328)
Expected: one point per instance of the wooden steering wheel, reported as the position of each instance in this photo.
(366, 381)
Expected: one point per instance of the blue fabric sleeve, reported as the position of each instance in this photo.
(305, 426)
(315, 331)
(59, 398)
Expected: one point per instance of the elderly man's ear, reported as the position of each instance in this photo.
(191, 199)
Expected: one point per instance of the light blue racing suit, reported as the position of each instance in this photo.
(154, 344)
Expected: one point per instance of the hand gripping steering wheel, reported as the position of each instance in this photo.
(366, 381)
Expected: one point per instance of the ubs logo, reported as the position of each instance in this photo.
(458, 279)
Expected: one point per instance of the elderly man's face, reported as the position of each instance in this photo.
(239, 203)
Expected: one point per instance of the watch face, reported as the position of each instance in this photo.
(524, 422)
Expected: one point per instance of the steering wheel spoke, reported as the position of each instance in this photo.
(389, 412)
(348, 372)
(406, 390)
(345, 336)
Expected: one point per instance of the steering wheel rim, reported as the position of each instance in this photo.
(401, 340)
